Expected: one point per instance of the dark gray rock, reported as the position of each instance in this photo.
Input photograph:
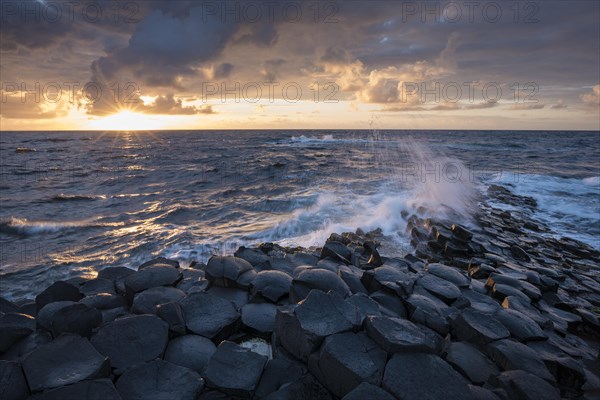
(480, 302)
(390, 278)
(159, 261)
(336, 251)
(477, 328)
(98, 285)
(365, 306)
(146, 302)
(568, 372)
(368, 391)
(521, 385)
(511, 355)
(346, 360)
(395, 335)
(149, 277)
(278, 372)
(103, 301)
(190, 351)
(14, 327)
(67, 359)
(428, 312)
(480, 393)
(524, 307)
(13, 385)
(234, 370)
(191, 285)
(114, 273)
(461, 232)
(520, 325)
(519, 254)
(317, 278)
(238, 297)
(352, 276)
(29, 308)
(100, 389)
(449, 273)
(76, 318)
(23, 347)
(307, 387)
(271, 285)
(131, 340)
(172, 314)
(441, 288)
(417, 376)
(256, 257)
(210, 316)
(259, 318)
(58, 291)
(229, 271)
(8, 306)
(301, 330)
(159, 379)
(470, 362)
(502, 291)
(389, 304)
(46, 314)
(113, 313)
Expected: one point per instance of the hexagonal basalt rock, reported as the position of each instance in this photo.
(100, 389)
(146, 302)
(210, 316)
(190, 351)
(271, 285)
(234, 370)
(76, 318)
(160, 379)
(229, 271)
(13, 327)
(317, 278)
(478, 328)
(522, 385)
(390, 278)
(346, 360)
(441, 288)
(259, 318)
(469, 361)
(510, 355)
(68, 359)
(153, 276)
(396, 335)
(448, 273)
(131, 340)
(368, 391)
(520, 325)
(418, 376)
(13, 385)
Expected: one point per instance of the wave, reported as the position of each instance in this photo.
(25, 150)
(25, 227)
(592, 181)
(75, 197)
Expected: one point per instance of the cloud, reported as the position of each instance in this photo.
(592, 99)
(559, 105)
(271, 68)
(526, 106)
(169, 104)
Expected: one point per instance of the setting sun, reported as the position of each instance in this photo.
(127, 121)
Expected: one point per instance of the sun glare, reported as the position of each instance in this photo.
(127, 121)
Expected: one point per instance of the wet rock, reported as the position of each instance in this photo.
(521, 385)
(477, 328)
(98, 285)
(352, 276)
(172, 314)
(159, 379)
(149, 277)
(132, 340)
(519, 254)
(114, 273)
(520, 325)
(76, 318)
(238, 297)
(317, 278)
(256, 257)
(510, 355)
(191, 285)
(481, 393)
(67, 359)
(29, 308)
(46, 314)
(461, 232)
(417, 376)
(480, 302)
(146, 302)
(501, 291)
(8, 306)
(428, 312)
(395, 335)
(449, 274)
(234, 370)
(568, 372)
(229, 271)
(279, 372)
(113, 313)
(365, 306)
(103, 301)
(470, 362)
(346, 360)
(159, 261)
(100, 389)
(368, 391)
(524, 307)
(302, 329)
(481, 271)
(14, 327)
(271, 285)
(210, 316)
(13, 385)
(307, 387)
(190, 351)
(58, 291)
(441, 288)
(259, 318)
(336, 251)
(390, 278)
(389, 304)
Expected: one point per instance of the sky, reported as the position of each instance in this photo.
(279, 64)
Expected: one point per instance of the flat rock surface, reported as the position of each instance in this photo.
(510, 355)
(346, 360)
(396, 335)
(259, 318)
(159, 379)
(190, 351)
(58, 291)
(448, 273)
(229, 271)
(145, 302)
(100, 389)
(368, 391)
(446, 291)
(76, 318)
(153, 276)
(277, 373)
(13, 327)
(131, 340)
(13, 385)
(525, 386)
(209, 316)
(317, 278)
(234, 370)
(520, 325)
(478, 328)
(272, 285)
(67, 359)
(469, 361)
(418, 376)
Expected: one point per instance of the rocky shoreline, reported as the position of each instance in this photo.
(499, 310)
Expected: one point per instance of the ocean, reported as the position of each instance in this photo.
(75, 202)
